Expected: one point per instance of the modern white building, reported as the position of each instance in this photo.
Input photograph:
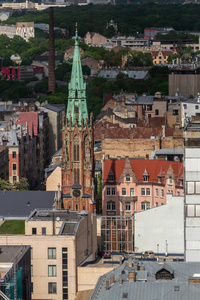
(192, 204)
(161, 229)
(190, 107)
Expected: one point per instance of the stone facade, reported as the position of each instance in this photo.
(23, 29)
(94, 39)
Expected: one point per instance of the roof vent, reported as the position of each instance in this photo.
(176, 288)
(125, 296)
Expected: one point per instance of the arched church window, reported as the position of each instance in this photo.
(76, 148)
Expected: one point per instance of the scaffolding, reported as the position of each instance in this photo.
(117, 233)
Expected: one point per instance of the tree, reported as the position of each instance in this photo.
(22, 185)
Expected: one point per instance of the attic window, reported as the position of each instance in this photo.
(128, 178)
(170, 181)
(159, 179)
(181, 182)
(145, 178)
(176, 288)
(111, 178)
(125, 296)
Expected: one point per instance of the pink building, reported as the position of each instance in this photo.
(131, 185)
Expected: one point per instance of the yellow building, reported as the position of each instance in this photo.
(160, 56)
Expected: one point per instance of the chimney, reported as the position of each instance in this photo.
(107, 285)
(131, 276)
(112, 278)
(163, 131)
(51, 53)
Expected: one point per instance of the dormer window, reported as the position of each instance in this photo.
(145, 178)
(159, 180)
(181, 182)
(111, 178)
(128, 178)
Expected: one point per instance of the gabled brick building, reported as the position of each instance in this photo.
(133, 185)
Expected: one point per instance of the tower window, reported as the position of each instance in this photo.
(76, 93)
(76, 176)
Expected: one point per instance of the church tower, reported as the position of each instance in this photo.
(77, 144)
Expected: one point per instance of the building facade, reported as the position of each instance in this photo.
(77, 144)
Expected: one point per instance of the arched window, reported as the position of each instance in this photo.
(123, 191)
(128, 178)
(76, 206)
(111, 205)
(76, 148)
(132, 192)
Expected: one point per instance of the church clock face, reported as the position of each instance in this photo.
(76, 193)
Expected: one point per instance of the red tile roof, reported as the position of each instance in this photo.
(154, 168)
(31, 118)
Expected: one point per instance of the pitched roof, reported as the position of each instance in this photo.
(154, 168)
(22, 203)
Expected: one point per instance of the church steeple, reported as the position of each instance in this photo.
(77, 106)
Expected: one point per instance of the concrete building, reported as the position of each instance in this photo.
(24, 29)
(161, 229)
(192, 204)
(15, 272)
(130, 41)
(60, 241)
(189, 108)
(56, 114)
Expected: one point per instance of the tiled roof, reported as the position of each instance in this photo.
(154, 168)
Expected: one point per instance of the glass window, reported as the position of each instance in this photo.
(14, 178)
(14, 167)
(185, 106)
(31, 287)
(128, 178)
(170, 181)
(148, 205)
(196, 106)
(132, 192)
(52, 287)
(190, 187)
(148, 192)
(51, 253)
(143, 206)
(181, 182)
(34, 230)
(198, 187)
(128, 206)
(156, 192)
(111, 178)
(159, 180)
(111, 205)
(190, 210)
(178, 193)
(162, 193)
(123, 191)
(43, 230)
(113, 192)
(145, 178)
(14, 154)
(51, 271)
(142, 191)
(156, 204)
(31, 270)
(108, 191)
(31, 253)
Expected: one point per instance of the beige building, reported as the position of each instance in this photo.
(94, 39)
(61, 241)
(24, 29)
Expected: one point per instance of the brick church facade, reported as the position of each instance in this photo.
(77, 145)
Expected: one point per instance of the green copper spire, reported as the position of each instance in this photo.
(77, 107)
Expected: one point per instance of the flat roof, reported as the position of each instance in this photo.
(8, 254)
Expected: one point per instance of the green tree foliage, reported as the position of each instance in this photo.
(139, 59)
(22, 185)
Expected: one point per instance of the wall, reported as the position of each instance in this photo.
(186, 84)
(161, 224)
(53, 180)
(192, 205)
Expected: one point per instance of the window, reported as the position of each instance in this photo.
(142, 191)
(156, 192)
(76, 176)
(31, 253)
(175, 112)
(184, 106)
(159, 180)
(34, 230)
(65, 272)
(148, 192)
(14, 167)
(170, 181)
(108, 191)
(178, 119)
(76, 148)
(132, 192)
(123, 191)
(178, 193)
(162, 193)
(111, 178)
(31, 287)
(14, 154)
(145, 178)
(193, 210)
(76, 207)
(113, 192)
(14, 178)
(156, 112)
(43, 230)
(128, 178)
(52, 287)
(51, 271)
(128, 206)
(111, 205)
(51, 253)
(196, 106)
(190, 187)
(145, 205)
(31, 270)
(156, 204)
(149, 107)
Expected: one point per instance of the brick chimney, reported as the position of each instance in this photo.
(51, 53)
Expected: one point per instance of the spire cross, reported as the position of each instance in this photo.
(76, 37)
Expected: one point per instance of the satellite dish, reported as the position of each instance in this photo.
(57, 219)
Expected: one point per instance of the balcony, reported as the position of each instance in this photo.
(127, 198)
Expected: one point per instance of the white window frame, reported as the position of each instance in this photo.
(123, 191)
(127, 206)
(108, 191)
(128, 178)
